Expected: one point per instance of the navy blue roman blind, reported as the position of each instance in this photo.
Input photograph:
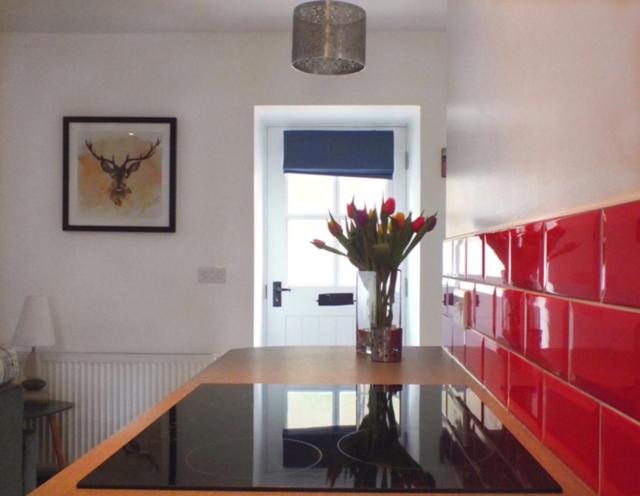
(339, 153)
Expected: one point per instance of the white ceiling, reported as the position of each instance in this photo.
(179, 16)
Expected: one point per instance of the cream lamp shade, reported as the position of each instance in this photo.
(35, 326)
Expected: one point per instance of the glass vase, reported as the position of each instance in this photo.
(379, 315)
(365, 309)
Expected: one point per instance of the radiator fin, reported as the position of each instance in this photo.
(108, 390)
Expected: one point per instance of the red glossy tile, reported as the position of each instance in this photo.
(464, 299)
(571, 428)
(605, 355)
(527, 256)
(447, 257)
(525, 393)
(457, 340)
(573, 256)
(444, 300)
(484, 309)
(447, 332)
(475, 257)
(496, 257)
(620, 455)
(622, 254)
(548, 333)
(496, 369)
(459, 257)
(459, 312)
(473, 354)
(510, 325)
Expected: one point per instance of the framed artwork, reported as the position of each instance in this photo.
(119, 174)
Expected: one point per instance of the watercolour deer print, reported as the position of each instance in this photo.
(119, 173)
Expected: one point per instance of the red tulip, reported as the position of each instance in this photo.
(417, 224)
(334, 228)
(350, 212)
(389, 206)
(318, 243)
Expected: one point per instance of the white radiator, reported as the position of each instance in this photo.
(108, 390)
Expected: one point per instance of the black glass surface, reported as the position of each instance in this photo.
(414, 438)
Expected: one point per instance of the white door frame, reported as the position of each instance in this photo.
(331, 115)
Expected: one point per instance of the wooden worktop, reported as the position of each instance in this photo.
(306, 365)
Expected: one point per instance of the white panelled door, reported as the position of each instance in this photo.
(298, 206)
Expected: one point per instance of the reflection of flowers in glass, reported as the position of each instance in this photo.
(378, 241)
(373, 456)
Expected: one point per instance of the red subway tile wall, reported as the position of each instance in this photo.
(496, 257)
(548, 333)
(475, 257)
(510, 318)
(525, 393)
(620, 455)
(547, 317)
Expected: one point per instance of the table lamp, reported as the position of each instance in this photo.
(34, 329)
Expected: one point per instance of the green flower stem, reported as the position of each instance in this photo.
(385, 297)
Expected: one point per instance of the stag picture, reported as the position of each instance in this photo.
(119, 174)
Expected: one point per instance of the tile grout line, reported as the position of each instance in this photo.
(603, 268)
(600, 454)
(570, 344)
(543, 435)
(594, 303)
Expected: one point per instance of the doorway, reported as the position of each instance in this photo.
(290, 210)
(297, 206)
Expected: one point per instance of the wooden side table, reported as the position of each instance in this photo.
(50, 410)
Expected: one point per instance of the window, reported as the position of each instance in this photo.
(308, 198)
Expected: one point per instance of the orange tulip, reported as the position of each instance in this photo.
(400, 220)
(334, 228)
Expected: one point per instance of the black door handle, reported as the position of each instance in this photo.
(277, 293)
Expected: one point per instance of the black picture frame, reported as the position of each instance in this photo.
(112, 165)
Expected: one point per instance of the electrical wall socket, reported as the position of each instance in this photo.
(212, 275)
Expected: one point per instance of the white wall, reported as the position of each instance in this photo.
(544, 108)
(138, 292)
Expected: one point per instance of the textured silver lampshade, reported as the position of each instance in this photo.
(329, 37)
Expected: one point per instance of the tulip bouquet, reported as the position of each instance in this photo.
(378, 241)
(373, 457)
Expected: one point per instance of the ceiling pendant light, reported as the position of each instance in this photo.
(329, 37)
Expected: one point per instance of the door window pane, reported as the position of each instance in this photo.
(309, 409)
(346, 273)
(310, 194)
(365, 190)
(347, 408)
(306, 265)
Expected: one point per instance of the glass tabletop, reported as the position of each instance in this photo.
(410, 438)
